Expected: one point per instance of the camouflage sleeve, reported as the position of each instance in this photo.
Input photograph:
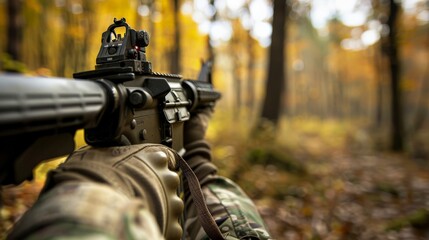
(233, 211)
(127, 192)
(84, 210)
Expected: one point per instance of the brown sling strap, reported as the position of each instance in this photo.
(206, 219)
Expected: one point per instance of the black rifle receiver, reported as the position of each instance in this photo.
(121, 102)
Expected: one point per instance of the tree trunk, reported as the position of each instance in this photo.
(275, 83)
(210, 50)
(237, 88)
(397, 133)
(175, 54)
(89, 23)
(237, 70)
(65, 63)
(421, 112)
(251, 72)
(41, 38)
(14, 29)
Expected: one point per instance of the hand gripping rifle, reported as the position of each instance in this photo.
(121, 102)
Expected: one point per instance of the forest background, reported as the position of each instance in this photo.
(315, 92)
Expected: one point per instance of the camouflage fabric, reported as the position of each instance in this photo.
(235, 214)
(94, 211)
(110, 194)
(83, 210)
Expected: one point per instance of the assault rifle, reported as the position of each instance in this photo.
(121, 102)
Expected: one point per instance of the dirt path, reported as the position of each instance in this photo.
(354, 197)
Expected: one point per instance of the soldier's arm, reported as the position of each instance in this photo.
(233, 211)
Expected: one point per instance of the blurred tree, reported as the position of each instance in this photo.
(391, 50)
(88, 21)
(14, 29)
(380, 64)
(41, 41)
(422, 111)
(175, 66)
(275, 84)
(237, 58)
(213, 18)
(251, 74)
(380, 86)
(69, 34)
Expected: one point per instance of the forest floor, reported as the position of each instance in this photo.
(330, 180)
(315, 184)
(371, 196)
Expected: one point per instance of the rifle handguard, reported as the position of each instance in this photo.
(35, 104)
(201, 94)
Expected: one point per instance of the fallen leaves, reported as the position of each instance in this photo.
(359, 197)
